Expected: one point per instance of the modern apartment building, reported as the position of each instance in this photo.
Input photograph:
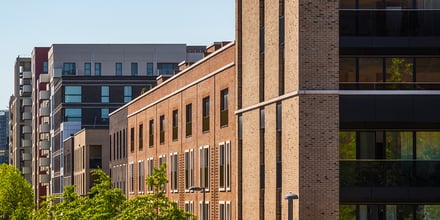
(20, 123)
(118, 148)
(4, 138)
(186, 122)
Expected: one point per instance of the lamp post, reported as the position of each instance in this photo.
(199, 188)
(290, 197)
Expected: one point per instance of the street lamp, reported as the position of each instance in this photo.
(199, 188)
(290, 197)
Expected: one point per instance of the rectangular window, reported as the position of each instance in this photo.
(151, 133)
(224, 108)
(174, 172)
(72, 114)
(162, 129)
(204, 167)
(134, 69)
(69, 69)
(131, 178)
(150, 69)
(163, 160)
(72, 94)
(188, 123)
(189, 169)
(105, 94)
(127, 93)
(141, 177)
(204, 210)
(45, 67)
(225, 166)
(189, 207)
(132, 140)
(205, 111)
(150, 167)
(104, 114)
(118, 69)
(167, 68)
(224, 210)
(87, 69)
(175, 125)
(141, 137)
(97, 69)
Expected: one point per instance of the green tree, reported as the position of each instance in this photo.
(16, 197)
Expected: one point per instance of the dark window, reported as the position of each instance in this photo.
(72, 114)
(69, 69)
(162, 129)
(188, 122)
(127, 93)
(105, 94)
(45, 67)
(95, 161)
(104, 115)
(224, 107)
(141, 136)
(151, 133)
(166, 68)
(175, 124)
(87, 69)
(134, 69)
(150, 69)
(131, 139)
(205, 111)
(97, 69)
(118, 69)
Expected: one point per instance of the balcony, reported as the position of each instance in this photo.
(44, 95)
(27, 129)
(27, 75)
(57, 73)
(26, 90)
(44, 111)
(44, 162)
(44, 78)
(26, 116)
(44, 128)
(26, 143)
(27, 101)
(26, 156)
(26, 170)
(44, 178)
(44, 145)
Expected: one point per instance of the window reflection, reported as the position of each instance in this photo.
(428, 69)
(399, 69)
(427, 145)
(347, 70)
(370, 69)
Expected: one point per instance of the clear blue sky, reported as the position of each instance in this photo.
(28, 23)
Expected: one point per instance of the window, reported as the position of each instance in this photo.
(205, 110)
(45, 67)
(225, 166)
(150, 167)
(151, 133)
(104, 114)
(224, 210)
(189, 207)
(224, 107)
(127, 93)
(188, 123)
(118, 69)
(72, 114)
(175, 125)
(141, 177)
(131, 178)
(189, 169)
(150, 69)
(97, 69)
(163, 160)
(166, 68)
(134, 69)
(105, 94)
(162, 129)
(69, 69)
(72, 94)
(87, 69)
(174, 172)
(140, 137)
(204, 167)
(204, 210)
(132, 139)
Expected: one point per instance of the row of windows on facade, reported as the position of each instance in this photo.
(224, 120)
(224, 207)
(389, 4)
(69, 69)
(76, 114)
(224, 169)
(73, 94)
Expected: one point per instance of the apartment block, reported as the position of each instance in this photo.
(186, 121)
(4, 136)
(118, 148)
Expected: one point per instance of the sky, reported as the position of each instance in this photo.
(26, 24)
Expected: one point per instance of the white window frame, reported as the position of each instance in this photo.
(226, 210)
(141, 176)
(163, 159)
(204, 161)
(174, 172)
(225, 159)
(189, 207)
(131, 178)
(150, 167)
(201, 214)
(189, 167)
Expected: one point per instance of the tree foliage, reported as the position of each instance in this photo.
(16, 197)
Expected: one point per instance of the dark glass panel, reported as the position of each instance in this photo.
(427, 145)
(370, 69)
(347, 145)
(428, 69)
(399, 69)
(347, 69)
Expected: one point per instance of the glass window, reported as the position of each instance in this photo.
(134, 69)
(118, 69)
(399, 145)
(370, 69)
(427, 145)
(72, 114)
(141, 137)
(150, 167)
(127, 93)
(72, 94)
(347, 69)
(174, 172)
(428, 69)
(105, 94)
(87, 69)
(224, 107)
(347, 145)
(69, 69)
(131, 139)
(175, 124)
(205, 112)
(428, 4)
(151, 133)
(150, 69)
(189, 168)
(347, 4)
(97, 69)
(399, 69)
(162, 129)
(104, 114)
(141, 175)
(45, 67)
(204, 167)
(188, 127)
(166, 68)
